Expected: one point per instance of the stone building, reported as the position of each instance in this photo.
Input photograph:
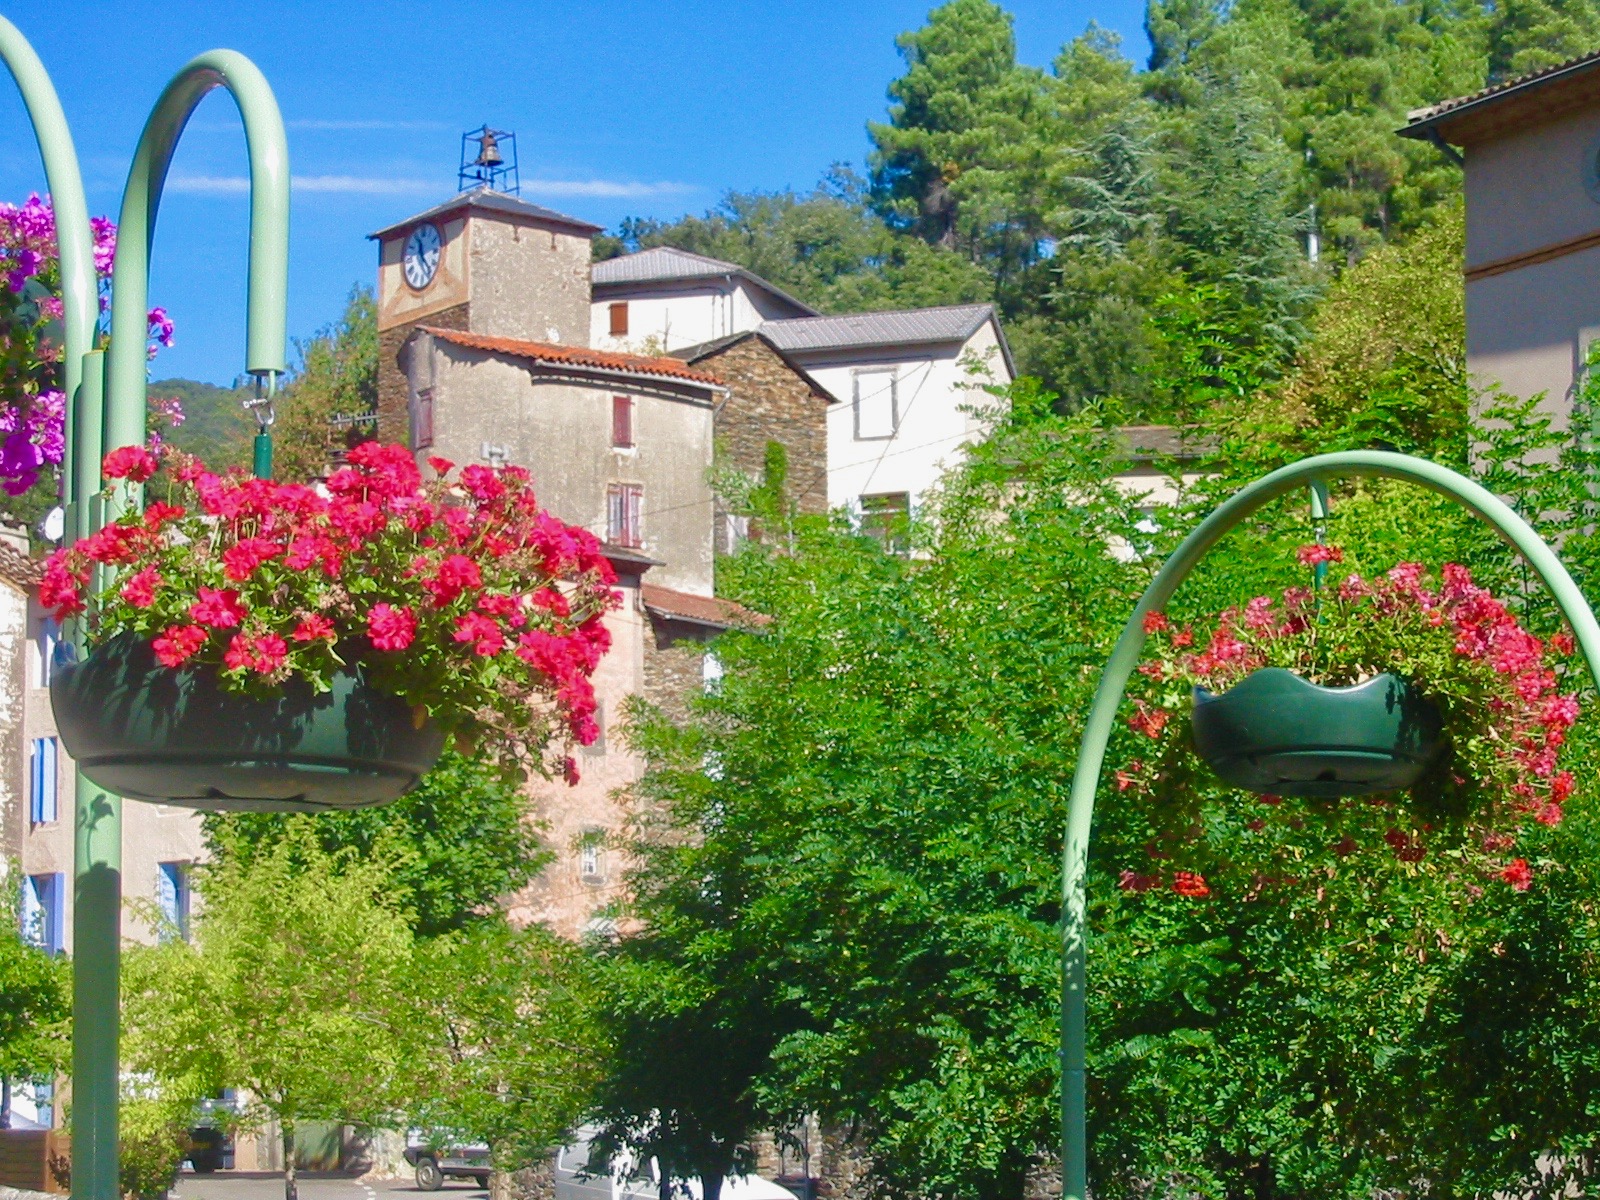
(484, 314)
(770, 398)
(1530, 150)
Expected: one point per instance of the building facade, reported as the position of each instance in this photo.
(1530, 150)
(906, 388)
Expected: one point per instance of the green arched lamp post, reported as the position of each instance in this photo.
(1313, 473)
(105, 410)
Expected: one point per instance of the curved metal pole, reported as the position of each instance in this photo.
(97, 916)
(269, 232)
(80, 298)
(1125, 657)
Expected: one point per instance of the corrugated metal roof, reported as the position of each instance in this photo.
(578, 356)
(907, 327)
(1421, 119)
(665, 264)
(484, 200)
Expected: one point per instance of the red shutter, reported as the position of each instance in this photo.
(622, 422)
(619, 319)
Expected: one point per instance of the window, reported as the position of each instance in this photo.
(619, 319)
(623, 504)
(597, 748)
(711, 674)
(49, 637)
(172, 896)
(622, 422)
(422, 420)
(43, 898)
(887, 517)
(591, 859)
(44, 780)
(877, 405)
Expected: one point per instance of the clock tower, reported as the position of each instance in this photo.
(482, 262)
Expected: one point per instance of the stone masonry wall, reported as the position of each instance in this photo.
(674, 658)
(769, 401)
(394, 397)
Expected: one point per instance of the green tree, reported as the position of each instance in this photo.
(35, 998)
(507, 1046)
(336, 379)
(293, 990)
(455, 845)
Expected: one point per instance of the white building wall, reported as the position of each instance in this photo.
(932, 390)
(663, 318)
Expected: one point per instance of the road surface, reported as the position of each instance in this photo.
(314, 1185)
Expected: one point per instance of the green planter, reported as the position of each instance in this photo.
(148, 732)
(1276, 733)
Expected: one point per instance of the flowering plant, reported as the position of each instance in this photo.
(462, 596)
(1498, 689)
(33, 415)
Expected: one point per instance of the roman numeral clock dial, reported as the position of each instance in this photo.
(421, 256)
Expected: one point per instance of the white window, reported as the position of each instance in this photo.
(624, 509)
(45, 647)
(172, 897)
(591, 857)
(44, 780)
(43, 911)
(711, 673)
(877, 405)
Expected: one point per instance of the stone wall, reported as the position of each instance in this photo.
(674, 665)
(769, 401)
(394, 395)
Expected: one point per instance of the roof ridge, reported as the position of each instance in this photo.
(646, 364)
(885, 312)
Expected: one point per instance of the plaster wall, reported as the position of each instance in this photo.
(151, 833)
(528, 281)
(666, 317)
(1529, 330)
(1526, 190)
(932, 389)
(560, 429)
(563, 895)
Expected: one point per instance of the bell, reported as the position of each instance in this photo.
(488, 152)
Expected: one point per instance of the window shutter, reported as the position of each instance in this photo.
(619, 319)
(622, 422)
(634, 496)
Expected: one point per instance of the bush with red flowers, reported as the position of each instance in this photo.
(1501, 691)
(465, 599)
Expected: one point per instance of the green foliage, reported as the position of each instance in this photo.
(216, 428)
(293, 989)
(35, 997)
(461, 840)
(336, 377)
(507, 1048)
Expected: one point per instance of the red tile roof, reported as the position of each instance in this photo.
(1420, 120)
(707, 610)
(577, 356)
(16, 567)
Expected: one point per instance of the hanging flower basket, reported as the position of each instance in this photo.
(265, 646)
(149, 732)
(1276, 733)
(1420, 696)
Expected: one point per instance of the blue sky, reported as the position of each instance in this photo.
(623, 108)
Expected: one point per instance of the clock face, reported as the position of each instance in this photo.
(421, 257)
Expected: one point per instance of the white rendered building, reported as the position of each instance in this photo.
(906, 387)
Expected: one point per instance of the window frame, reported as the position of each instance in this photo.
(622, 436)
(175, 874)
(625, 515)
(888, 522)
(44, 781)
(617, 318)
(856, 378)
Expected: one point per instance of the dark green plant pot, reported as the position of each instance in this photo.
(1276, 733)
(145, 731)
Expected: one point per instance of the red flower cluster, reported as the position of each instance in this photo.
(1506, 715)
(482, 609)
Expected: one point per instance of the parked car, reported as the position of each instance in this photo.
(579, 1178)
(435, 1163)
(209, 1147)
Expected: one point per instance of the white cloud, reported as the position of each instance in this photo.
(369, 185)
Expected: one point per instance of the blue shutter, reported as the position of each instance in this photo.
(44, 780)
(32, 914)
